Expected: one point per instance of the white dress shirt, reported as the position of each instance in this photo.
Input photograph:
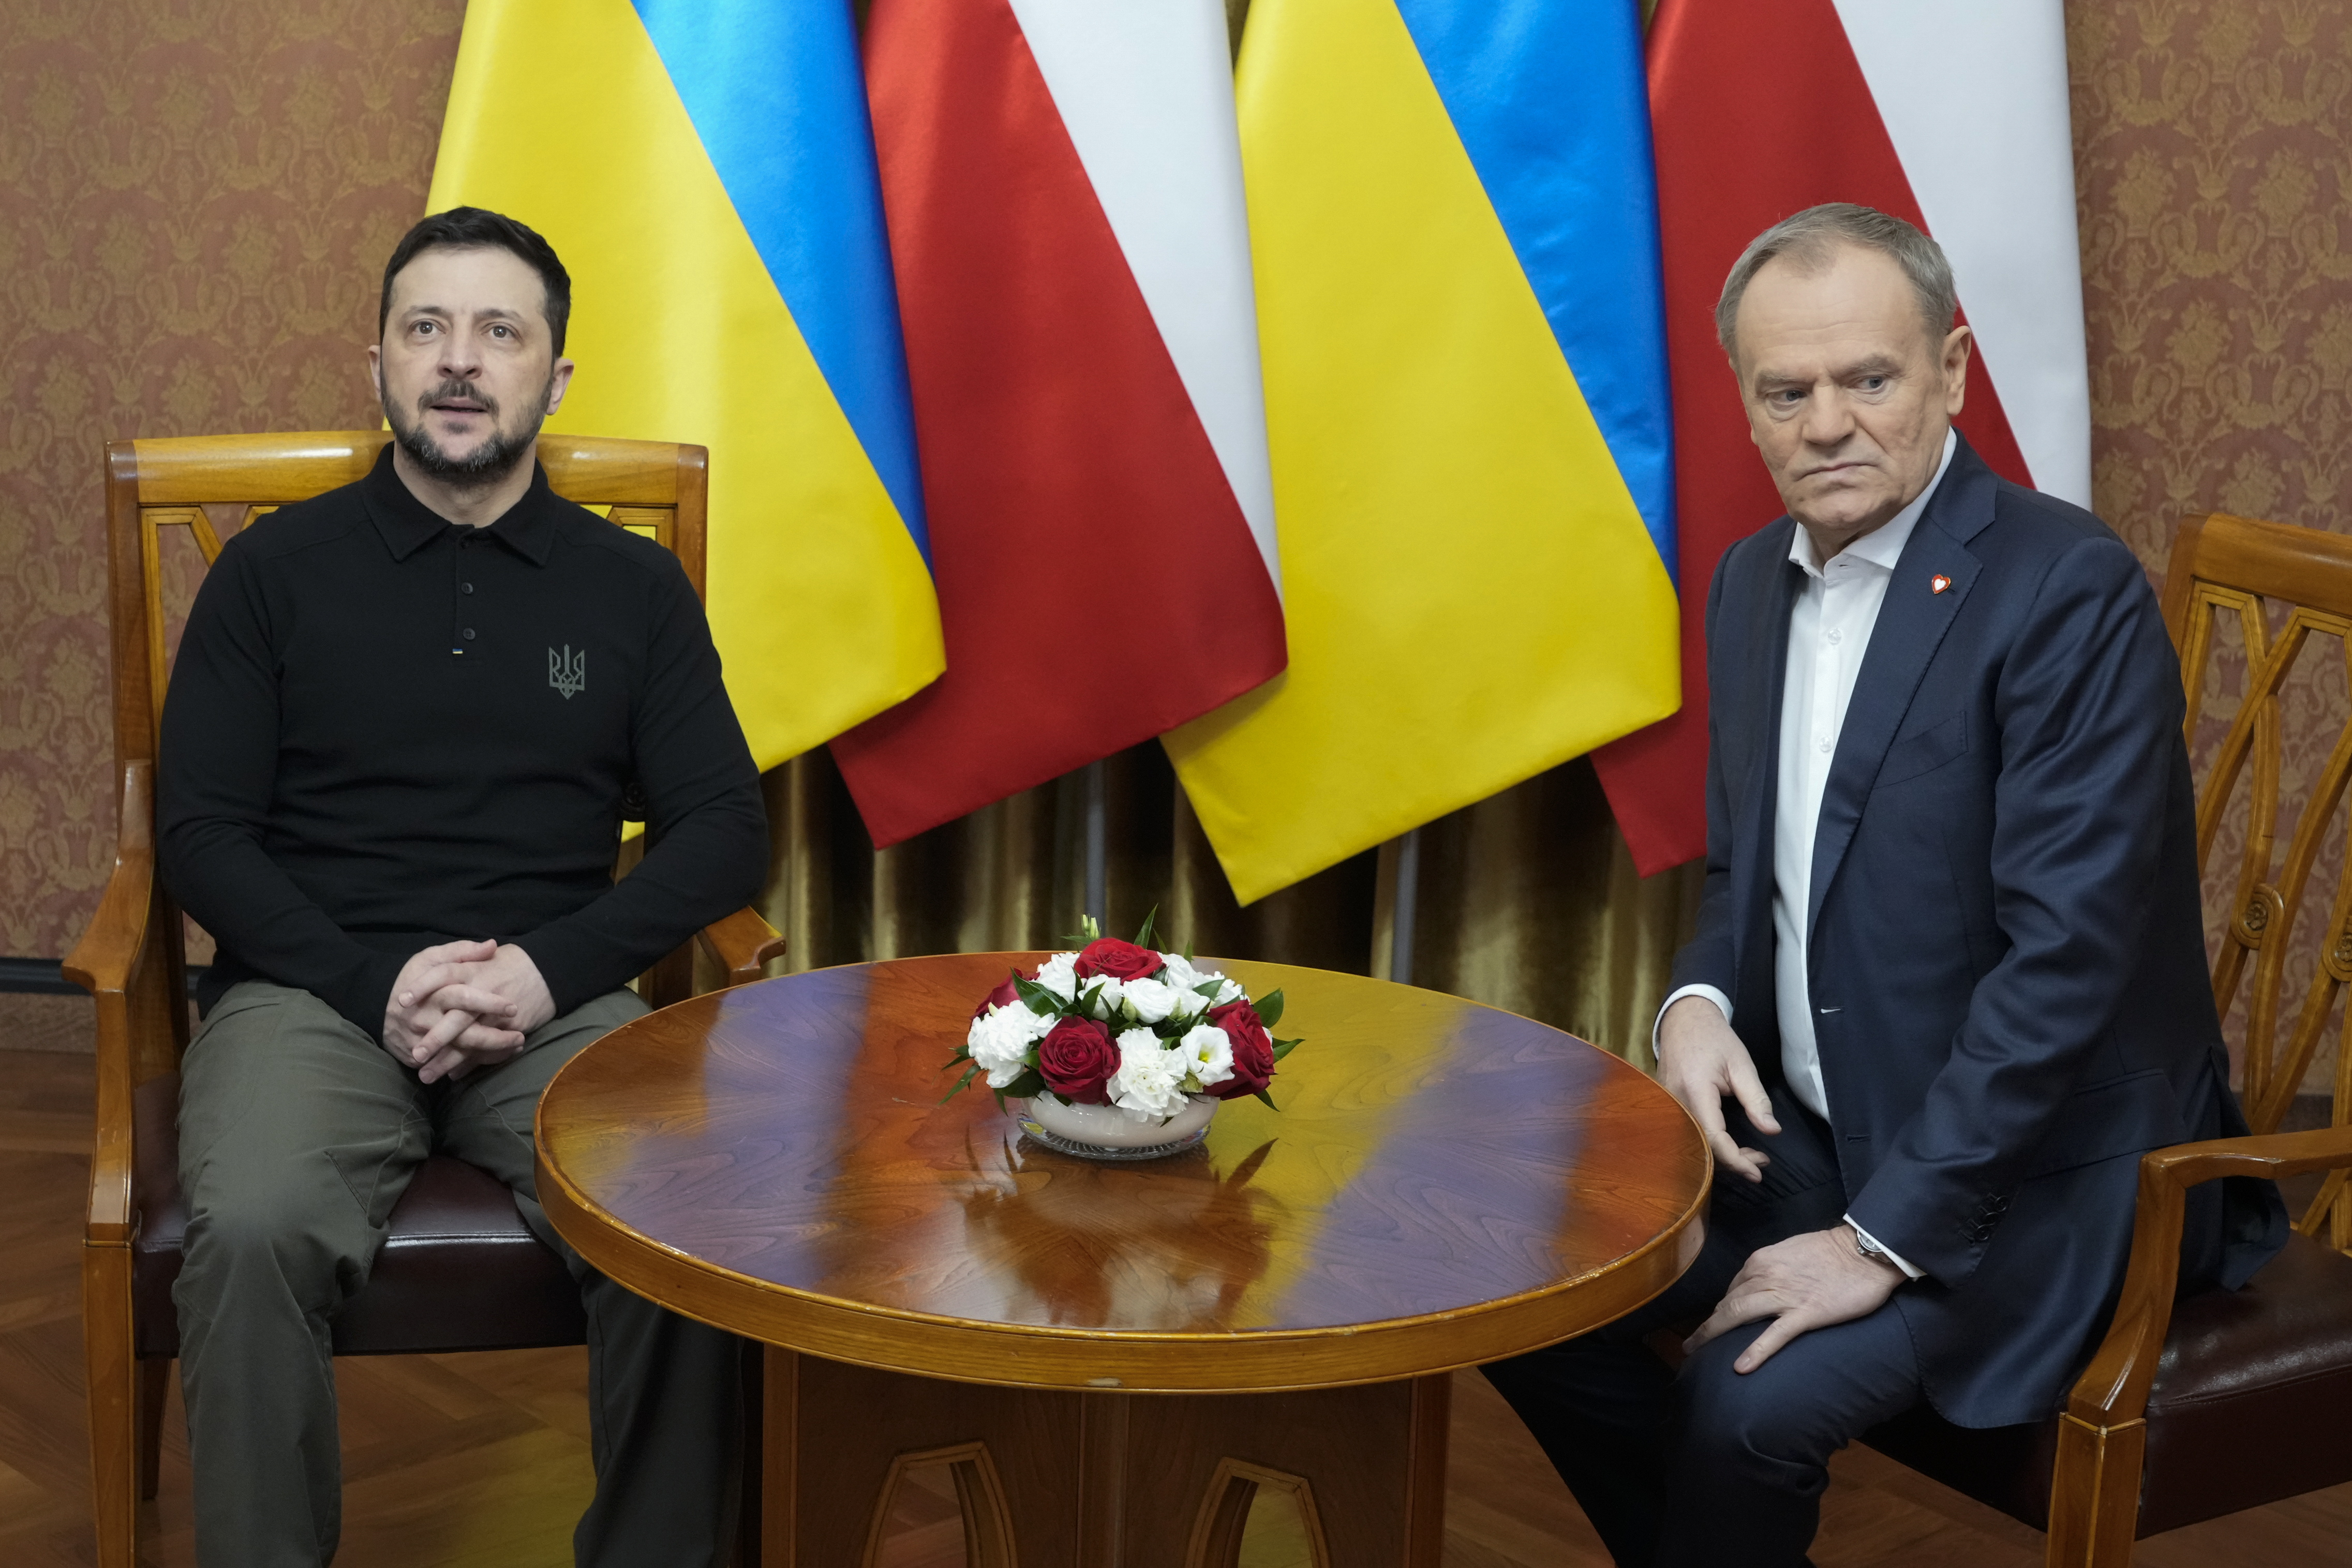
(1829, 632)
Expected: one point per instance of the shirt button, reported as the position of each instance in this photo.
(468, 587)
(1821, 741)
(1833, 635)
(469, 637)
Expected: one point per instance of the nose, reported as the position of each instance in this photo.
(1828, 418)
(461, 357)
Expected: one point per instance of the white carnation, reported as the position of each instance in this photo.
(1151, 1000)
(1059, 975)
(1178, 972)
(999, 1039)
(1208, 1054)
(1150, 1083)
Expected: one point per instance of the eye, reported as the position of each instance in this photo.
(1875, 383)
(423, 329)
(502, 330)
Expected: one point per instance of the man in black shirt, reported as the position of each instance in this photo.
(400, 730)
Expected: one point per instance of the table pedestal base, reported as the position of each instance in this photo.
(1051, 1478)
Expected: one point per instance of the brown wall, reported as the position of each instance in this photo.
(196, 194)
(195, 197)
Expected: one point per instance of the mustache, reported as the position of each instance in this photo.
(457, 388)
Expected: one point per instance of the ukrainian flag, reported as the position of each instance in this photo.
(706, 170)
(1454, 228)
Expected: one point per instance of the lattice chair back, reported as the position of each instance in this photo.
(2287, 593)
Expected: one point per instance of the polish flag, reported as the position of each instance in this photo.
(1951, 114)
(1062, 181)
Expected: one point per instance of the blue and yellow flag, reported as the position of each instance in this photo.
(1454, 227)
(706, 170)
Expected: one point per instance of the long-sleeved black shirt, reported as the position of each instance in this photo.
(385, 730)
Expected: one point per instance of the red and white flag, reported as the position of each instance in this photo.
(1062, 180)
(1951, 114)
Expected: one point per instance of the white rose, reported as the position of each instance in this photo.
(1150, 1083)
(1059, 975)
(1107, 998)
(1227, 991)
(1189, 1005)
(1208, 1054)
(1178, 972)
(1150, 999)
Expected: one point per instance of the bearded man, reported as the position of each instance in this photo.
(1948, 981)
(400, 731)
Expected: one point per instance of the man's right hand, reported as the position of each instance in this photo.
(1700, 1060)
(432, 1009)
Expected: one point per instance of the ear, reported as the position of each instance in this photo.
(375, 369)
(1956, 344)
(559, 378)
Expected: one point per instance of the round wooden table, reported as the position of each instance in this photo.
(1446, 1184)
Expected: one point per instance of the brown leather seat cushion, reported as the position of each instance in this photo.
(2248, 1406)
(458, 1271)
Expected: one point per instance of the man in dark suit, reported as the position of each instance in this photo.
(1949, 982)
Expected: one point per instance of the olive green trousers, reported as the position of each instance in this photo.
(298, 1134)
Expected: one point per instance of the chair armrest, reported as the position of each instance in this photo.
(2114, 1390)
(107, 962)
(740, 943)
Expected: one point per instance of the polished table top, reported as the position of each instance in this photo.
(1444, 1184)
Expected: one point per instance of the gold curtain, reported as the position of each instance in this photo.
(1527, 901)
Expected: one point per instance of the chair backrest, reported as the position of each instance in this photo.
(2288, 593)
(196, 481)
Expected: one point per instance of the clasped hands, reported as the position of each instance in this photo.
(1808, 1282)
(464, 1004)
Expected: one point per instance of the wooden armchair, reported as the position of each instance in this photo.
(2203, 1406)
(459, 1270)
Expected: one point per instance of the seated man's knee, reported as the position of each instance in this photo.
(304, 1228)
(1763, 1414)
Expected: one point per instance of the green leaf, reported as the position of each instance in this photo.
(1031, 1082)
(1282, 1047)
(1207, 990)
(963, 1054)
(969, 1074)
(1269, 1007)
(1270, 1105)
(1143, 937)
(1188, 952)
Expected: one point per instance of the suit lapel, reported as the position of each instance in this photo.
(1757, 771)
(1911, 626)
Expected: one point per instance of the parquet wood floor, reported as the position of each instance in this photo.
(481, 1461)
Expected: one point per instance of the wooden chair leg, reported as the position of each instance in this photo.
(154, 1387)
(113, 1403)
(2094, 1494)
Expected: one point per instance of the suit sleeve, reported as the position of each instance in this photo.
(217, 774)
(1706, 958)
(2089, 707)
(705, 823)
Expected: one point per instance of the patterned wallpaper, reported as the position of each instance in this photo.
(196, 196)
(196, 199)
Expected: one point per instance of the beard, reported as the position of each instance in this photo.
(487, 464)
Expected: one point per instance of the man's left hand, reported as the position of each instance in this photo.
(508, 973)
(1806, 1282)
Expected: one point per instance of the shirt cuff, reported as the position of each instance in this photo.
(1722, 1005)
(1892, 1256)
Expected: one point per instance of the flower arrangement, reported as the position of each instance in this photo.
(1120, 1024)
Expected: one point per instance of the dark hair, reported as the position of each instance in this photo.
(1810, 240)
(474, 228)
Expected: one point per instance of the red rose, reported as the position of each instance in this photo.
(1004, 996)
(1077, 1058)
(1120, 960)
(1252, 1051)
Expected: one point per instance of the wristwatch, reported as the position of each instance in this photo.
(1865, 1247)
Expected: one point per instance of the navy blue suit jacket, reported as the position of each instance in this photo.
(2006, 958)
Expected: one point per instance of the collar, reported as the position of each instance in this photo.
(407, 524)
(1882, 547)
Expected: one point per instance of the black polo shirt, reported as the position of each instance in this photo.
(385, 730)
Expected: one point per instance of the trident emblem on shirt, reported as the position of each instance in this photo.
(567, 672)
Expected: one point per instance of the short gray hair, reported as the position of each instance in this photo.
(1811, 239)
